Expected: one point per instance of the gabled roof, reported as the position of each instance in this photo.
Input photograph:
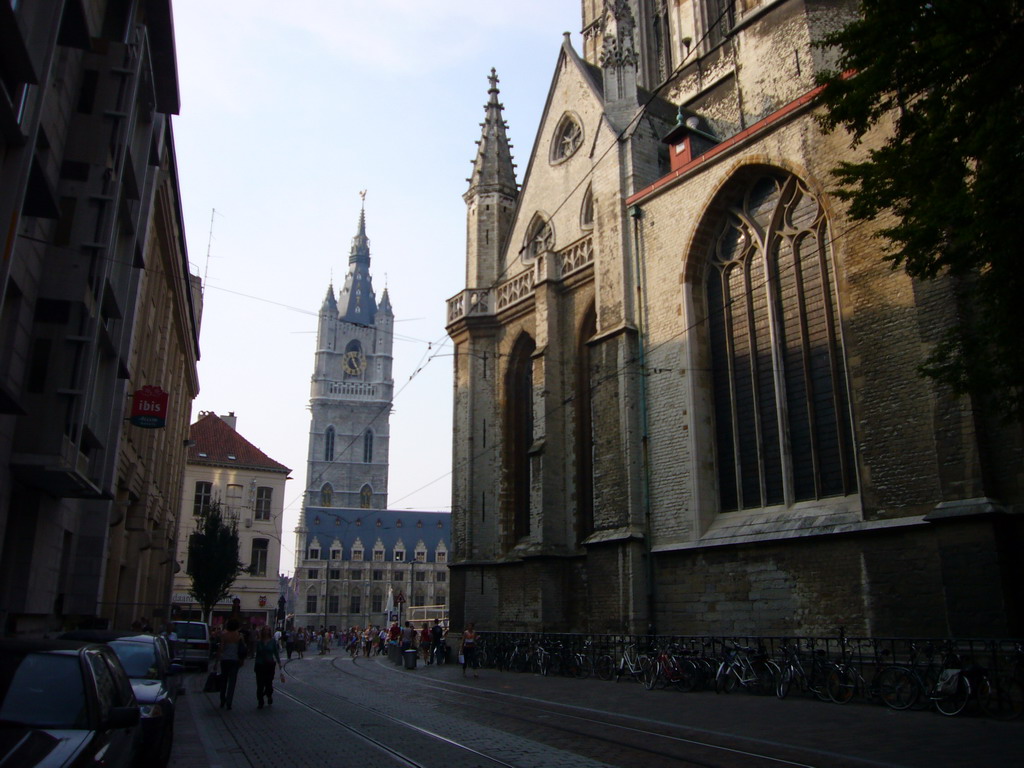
(215, 443)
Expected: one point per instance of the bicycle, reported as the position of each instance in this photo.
(1001, 694)
(669, 667)
(631, 663)
(757, 674)
(893, 684)
(792, 673)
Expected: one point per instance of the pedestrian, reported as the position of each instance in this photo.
(425, 642)
(436, 637)
(289, 643)
(268, 658)
(468, 649)
(408, 636)
(300, 645)
(230, 656)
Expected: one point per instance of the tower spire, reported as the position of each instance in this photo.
(357, 302)
(493, 169)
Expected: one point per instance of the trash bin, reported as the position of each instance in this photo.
(410, 658)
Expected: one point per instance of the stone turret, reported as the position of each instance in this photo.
(491, 197)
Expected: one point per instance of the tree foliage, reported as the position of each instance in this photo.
(213, 558)
(949, 74)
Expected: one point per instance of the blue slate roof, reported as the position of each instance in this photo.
(325, 524)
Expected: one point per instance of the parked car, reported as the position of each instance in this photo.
(66, 704)
(191, 643)
(155, 679)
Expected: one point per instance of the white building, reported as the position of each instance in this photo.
(225, 467)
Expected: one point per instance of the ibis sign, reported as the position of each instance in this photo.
(149, 408)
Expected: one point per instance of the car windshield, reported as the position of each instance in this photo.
(42, 690)
(138, 659)
(190, 631)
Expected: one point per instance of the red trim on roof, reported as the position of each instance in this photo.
(732, 141)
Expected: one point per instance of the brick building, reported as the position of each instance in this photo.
(686, 388)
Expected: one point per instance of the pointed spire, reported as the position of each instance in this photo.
(356, 302)
(493, 169)
(330, 303)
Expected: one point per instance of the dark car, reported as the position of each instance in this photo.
(66, 704)
(155, 679)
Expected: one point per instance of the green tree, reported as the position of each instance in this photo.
(213, 558)
(949, 74)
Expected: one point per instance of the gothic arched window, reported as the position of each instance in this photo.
(567, 138)
(368, 447)
(519, 434)
(587, 209)
(782, 414)
(326, 495)
(365, 497)
(329, 444)
(585, 428)
(539, 237)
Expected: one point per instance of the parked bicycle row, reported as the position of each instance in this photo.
(947, 675)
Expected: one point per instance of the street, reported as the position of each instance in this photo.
(334, 710)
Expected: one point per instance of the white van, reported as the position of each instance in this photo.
(190, 643)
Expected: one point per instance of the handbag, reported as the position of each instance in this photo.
(212, 683)
(462, 658)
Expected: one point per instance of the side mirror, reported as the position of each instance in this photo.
(123, 717)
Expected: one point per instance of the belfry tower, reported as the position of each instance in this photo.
(351, 392)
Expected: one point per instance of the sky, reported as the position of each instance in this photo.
(288, 111)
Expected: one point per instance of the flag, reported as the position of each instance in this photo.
(389, 608)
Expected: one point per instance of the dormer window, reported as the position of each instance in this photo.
(567, 139)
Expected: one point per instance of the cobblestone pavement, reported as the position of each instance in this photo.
(327, 696)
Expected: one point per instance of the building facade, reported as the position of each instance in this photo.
(686, 387)
(225, 468)
(96, 305)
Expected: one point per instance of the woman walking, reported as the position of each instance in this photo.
(230, 654)
(268, 658)
(468, 650)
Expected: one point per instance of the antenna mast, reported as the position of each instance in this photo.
(209, 241)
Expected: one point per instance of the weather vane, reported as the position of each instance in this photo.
(362, 195)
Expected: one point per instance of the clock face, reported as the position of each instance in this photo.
(354, 363)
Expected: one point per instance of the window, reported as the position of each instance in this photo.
(334, 573)
(258, 561)
(329, 444)
(234, 496)
(333, 603)
(203, 497)
(365, 497)
(311, 602)
(586, 374)
(377, 605)
(335, 554)
(421, 556)
(378, 575)
(399, 555)
(567, 139)
(421, 575)
(368, 447)
(355, 604)
(519, 421)
(326, 495)
(441, 576)
(378, 555)
(781, 410)
(263, 496)
(314, 554)
(441, 557)
(400, 576)
(539, 237)
(418, 600)
(357, 554)
(587, 209)
(313, 573)
(719, 19)
(356, 574)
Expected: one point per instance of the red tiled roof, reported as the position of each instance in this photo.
(215, 442)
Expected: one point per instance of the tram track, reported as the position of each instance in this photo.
(623, 739)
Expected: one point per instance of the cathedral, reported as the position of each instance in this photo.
(687, 395)
(345, 521)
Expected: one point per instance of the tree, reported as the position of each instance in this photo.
(949, 74)
(213, 558)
